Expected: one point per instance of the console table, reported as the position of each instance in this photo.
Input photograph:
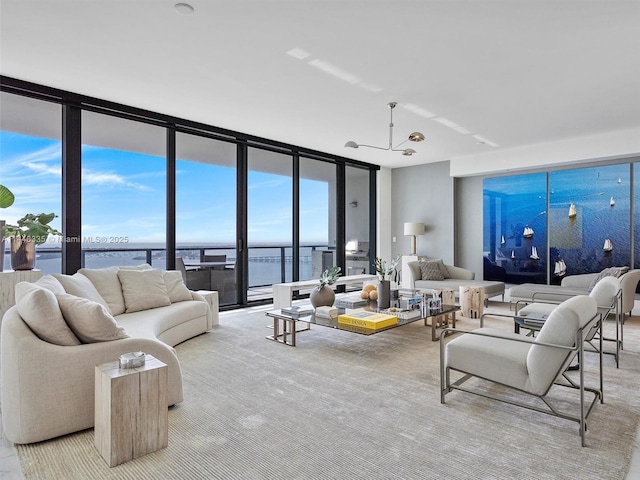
(282, 292)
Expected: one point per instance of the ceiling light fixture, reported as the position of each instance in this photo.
(184, 8)
(413, 137)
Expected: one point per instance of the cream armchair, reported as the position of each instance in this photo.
(526, 364)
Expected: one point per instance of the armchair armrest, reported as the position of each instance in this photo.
(461, 273)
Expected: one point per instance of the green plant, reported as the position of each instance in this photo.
(381, 267)
(6, 197)
(329, 277)
(34, 226)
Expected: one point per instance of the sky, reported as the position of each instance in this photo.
(123, 196)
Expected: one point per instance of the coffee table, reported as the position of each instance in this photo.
(284, 324)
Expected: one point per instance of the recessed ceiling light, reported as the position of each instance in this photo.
(184, 8)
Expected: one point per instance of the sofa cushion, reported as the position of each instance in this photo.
(90, 321)
(50, 283)
(143, 289)
(430, 270)
(154, 323)
(80, 286)
(108, 284)
(176, 289)
(39, 309)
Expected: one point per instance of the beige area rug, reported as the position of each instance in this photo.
(342, 405)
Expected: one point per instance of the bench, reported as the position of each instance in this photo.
(283, 292)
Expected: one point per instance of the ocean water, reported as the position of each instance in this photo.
(264, 263)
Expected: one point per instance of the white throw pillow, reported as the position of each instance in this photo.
(50, 283)
(143, 289)
(80, 286)
(177, 290)
(39, 309)
(90, 321)
(108, 286)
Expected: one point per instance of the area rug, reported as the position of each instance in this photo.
(343, 405)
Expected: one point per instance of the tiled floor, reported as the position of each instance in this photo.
(10, 467)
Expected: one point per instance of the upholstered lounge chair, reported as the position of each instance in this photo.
(526, 364)
(608, 296)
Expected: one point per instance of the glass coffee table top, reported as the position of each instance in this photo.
(333, 322)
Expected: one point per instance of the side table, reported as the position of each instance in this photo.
(131, 413)
(211, 296)
(472, 301)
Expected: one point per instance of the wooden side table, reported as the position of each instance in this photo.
(131, 413)
(212, 297)
(8, 280)
(472, 301)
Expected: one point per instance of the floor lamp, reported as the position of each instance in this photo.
(413, 229)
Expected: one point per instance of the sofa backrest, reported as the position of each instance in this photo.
(605, 291)
(545, 363)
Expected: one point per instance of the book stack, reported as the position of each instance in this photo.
(351, 301)
(411, 303)
(327, 312)
(402, 314)
(297, 311)
(368, 320)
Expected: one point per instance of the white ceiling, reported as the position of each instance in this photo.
(515, 72)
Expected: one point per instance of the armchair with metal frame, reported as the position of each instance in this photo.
(608, 295)
(529, 365)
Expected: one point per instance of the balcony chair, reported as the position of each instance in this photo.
(608, 296)
(530, 365)
(194, 277)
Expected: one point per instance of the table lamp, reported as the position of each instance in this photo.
(413, 229)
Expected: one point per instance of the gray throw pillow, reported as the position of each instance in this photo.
(430, 270)
(608, 272)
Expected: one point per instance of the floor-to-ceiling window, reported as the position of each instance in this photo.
(124, 179)
(317, 217)
(269, 220)
(206, 175)
(30, 166)
(230, 188)
(357, 257)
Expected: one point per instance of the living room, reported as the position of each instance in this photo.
(568, 94)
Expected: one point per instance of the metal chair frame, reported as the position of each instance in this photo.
(577, 349)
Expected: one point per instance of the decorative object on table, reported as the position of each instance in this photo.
(327, 312)
(368, 320)
(413, 137)
(434, 303)
(402, 314)
(414, 229)
(6, 200)
(384, 286)
(323, 294)
(132, 360)
(30, 231)
(351, 301)
(369, 292)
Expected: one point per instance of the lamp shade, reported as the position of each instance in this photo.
(413, 228)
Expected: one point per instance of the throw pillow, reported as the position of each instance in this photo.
(608, 272)
(443, 268)
(108, 286)
(90, 321)
(177, 290)
(50, 283)
(430, 270)
(143, 289)
(80, 286)
(39, 309)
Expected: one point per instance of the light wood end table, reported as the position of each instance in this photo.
(131, 413)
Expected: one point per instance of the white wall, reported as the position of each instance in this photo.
(384, 208)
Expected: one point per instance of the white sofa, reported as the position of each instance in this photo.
(452, 277)
(48, 377)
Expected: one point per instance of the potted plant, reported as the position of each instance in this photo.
(323, 294)
(30, 231)
(384, 286)
(6, 200)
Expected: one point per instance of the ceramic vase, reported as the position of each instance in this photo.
(384, 294)
(23, 253)
(323, 297)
